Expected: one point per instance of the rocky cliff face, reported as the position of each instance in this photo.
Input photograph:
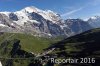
(78, 25)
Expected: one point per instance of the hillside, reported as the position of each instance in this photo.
(28, 42)
(17, 48)
(84, 45)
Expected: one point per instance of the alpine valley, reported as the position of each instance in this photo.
(31, 36)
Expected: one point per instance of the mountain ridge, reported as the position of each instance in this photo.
(38, 23)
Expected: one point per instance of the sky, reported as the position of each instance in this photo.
(66, 8)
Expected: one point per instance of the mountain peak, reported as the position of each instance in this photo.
(95, 17)
(31, 9)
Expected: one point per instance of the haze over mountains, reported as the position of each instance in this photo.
(37, 22)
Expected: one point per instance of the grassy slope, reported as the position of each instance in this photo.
(86, 44)
(29, 43)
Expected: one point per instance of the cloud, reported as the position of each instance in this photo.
(71, 12)
(90, 4)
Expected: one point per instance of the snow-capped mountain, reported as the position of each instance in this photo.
(94, 21)
(38, 23)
